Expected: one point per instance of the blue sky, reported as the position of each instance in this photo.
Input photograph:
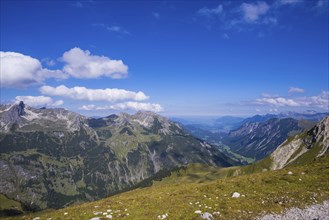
(173, 57)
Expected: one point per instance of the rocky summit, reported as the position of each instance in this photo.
(50, 158)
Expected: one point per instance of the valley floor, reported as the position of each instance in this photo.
(187, 193)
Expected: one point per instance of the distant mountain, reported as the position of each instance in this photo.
(259, 118)
(302, 149)
(307, 115)
(50, 158)
(259, 139)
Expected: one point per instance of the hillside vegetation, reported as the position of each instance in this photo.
(199, 187)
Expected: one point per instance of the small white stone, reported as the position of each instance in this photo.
(216, 213)
(108, 216)
(36, 218)
(207, 216)
(289, 172)
(65, 213)
(191, 203)
(104, 213)
(109, 210)
(198, 212)
(235, 195)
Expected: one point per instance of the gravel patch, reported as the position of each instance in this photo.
(314, 212)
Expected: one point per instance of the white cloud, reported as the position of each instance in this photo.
(280, 101)
(296, 90)
(138, 106)
(114, 28)
(252, 12)
(135, 106)
(81, 64)
(19, 70)
(319, 101)
(38, 100)
(117, 29)
(211, 11)
(286, 2)
(83, 93)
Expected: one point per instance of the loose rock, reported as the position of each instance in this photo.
(235, 195)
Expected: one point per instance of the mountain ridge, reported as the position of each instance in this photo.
(73, 158)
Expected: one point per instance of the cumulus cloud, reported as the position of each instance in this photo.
(38, 101)
(252, 12)
(81, 64)
(19, 70)
(319, 101)
(296, 90)
(211, 11)
(83, 93)
(135, 106)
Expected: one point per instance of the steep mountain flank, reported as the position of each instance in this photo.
(259, 139)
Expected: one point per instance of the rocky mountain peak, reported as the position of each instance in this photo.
(24, 117)
(21, 107)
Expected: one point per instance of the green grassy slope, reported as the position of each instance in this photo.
(203, 188)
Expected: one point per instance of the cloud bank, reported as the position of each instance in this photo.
(83, 93)
(319, 101)
(136, 106)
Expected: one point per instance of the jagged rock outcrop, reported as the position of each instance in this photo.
(303, 147)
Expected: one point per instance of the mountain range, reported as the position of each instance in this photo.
(294, 176)
(50, 158)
